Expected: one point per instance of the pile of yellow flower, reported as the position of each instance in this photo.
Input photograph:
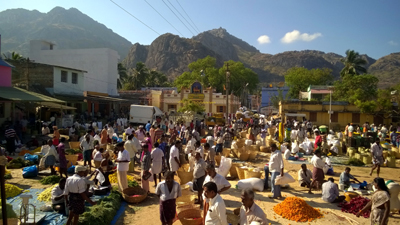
(296, 209)
(12, 190)
(45, 196)
(113, 178)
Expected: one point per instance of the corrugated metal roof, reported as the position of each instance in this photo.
(18, 94)
(4, 63)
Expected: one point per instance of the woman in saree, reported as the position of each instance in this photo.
(147, 141)
(379, 204)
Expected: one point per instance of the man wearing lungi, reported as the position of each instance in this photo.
(75, 196)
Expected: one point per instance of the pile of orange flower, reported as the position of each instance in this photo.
(297, 209)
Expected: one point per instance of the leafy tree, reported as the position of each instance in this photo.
(275, 99)
(14, 56)
(191, 107)
(239, 77)
(353, 64)
(299, 79)
(205, 71)
(156, 79)
(361, 91)
(141, 76)
(122, 75)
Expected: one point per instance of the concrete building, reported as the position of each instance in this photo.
(317, 113)
(100, 64)
(213, 102)
(316, 92)
(268, 92)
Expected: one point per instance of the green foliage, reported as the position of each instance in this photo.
(10, 211)
(141, 76)
(299, 79)
(103, 212)
(277, 98)
(355, 162)
(360, 90)
(353, 64)
(132, 183)
(14, 56)
(122, 75)
(53, 179)
(191, 106)
(205, 71)
(8, 176)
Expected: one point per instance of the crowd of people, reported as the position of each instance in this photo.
(158, 148)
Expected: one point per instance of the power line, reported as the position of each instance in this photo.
(163, 17)
(188, 16)
(178, 17)
(182, 15)
(135, 17)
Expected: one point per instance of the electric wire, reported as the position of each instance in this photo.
(182, 16)
(163, 17)
(188, 16)
(177, 17)
(135, 17)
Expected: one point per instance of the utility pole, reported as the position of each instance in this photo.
(228, 74)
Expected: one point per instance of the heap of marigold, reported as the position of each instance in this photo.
(297, 209)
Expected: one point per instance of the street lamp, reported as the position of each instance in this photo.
(228, 74)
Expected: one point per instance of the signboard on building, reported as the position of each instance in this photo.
(196, 96)
(196, 88)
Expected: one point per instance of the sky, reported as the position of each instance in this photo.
(367, 26)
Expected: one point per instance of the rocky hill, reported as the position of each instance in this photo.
(387, 69)
(67, 28)
(219, 43)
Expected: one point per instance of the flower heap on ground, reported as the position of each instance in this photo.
(12, 190)
(296, 209)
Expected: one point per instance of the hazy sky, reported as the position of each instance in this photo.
(273, 26)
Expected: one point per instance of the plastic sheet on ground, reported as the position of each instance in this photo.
(52, 218)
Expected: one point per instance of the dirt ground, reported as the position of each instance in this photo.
(147, 212)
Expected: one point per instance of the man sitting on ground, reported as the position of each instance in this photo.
(57, 197)
(330, 192)
(333, 150)
(304, 176)
(345, 177)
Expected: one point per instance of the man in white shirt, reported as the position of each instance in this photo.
(122, 166)
(304, 176)
(110, 132)
(196, 134)
(276, 169)
(131, 147)
(330, 192)
(250, 212)
(333, 150)
(87, 149)
(171, 126)
(57, 197)
(141, 133)
(216, 213)
(45, 129)
(318, 174)
(377, 156)
(210, 140)
(174, 157)
(74, 194)
(129, 130)
(190, 144)
(157, 158)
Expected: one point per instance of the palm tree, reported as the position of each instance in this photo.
(140, 74)
(14, 56)
(353, 64)
(122, 75)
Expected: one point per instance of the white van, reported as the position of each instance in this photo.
(140, 114)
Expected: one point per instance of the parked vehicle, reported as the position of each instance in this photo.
(141, 114)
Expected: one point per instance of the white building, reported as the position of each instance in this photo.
(101, 64)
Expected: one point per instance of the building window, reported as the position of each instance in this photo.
(313, 116)
(355, 118)
(220, 109)
(2, 109)
(64, 76)
(171, 107)
(335, 117)
(74, 78)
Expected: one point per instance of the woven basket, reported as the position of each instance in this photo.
(185, 176)
(182, 206)
(385, 154)
(129, 192)
(217, 159)
(190, 217)
(72, 158)
(243, 134)
(251, 174)
(186, 199)
(243, 156)
(226, 152)
(11, 221)
(255, 147)
(265, 149)
(252, 155)
(240, 173)
(74, 144)
(397, 155)
(232, 170)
